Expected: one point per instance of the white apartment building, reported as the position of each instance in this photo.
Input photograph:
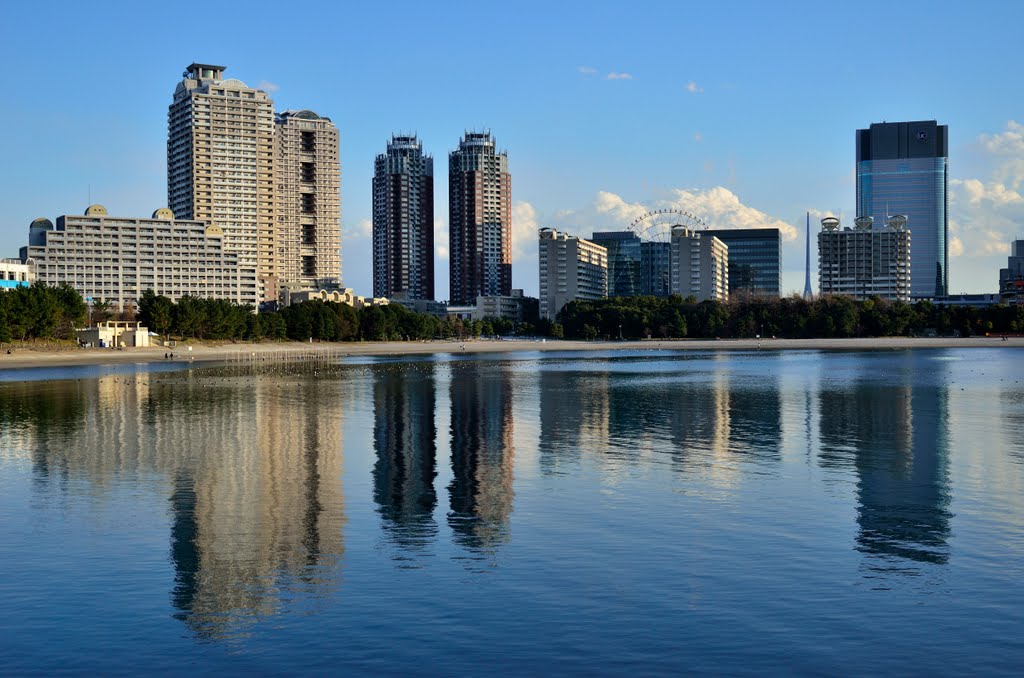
(116, 259)
(699, 265)
(570, 268)
(863, 262)
(308, 200)
(220, 165)
(15, 273)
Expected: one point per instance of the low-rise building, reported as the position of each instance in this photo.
(15, 273)
(116, 259)
(571, 269)
(865, 262)
(343, 295)
(699, 265)
(516, 307)
(115, 334)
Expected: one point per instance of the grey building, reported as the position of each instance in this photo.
(480, 220)
(755, 260)
(902, 168)
(700, 265)
(863, 262)
(571, 268)
(1011, 278)
(116, 259)
(403, 221)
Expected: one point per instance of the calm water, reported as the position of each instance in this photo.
(645, 512)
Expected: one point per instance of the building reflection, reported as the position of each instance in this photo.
(894, 437)
(481, 490)
(252, 467)
(574, 418)
(405, 440)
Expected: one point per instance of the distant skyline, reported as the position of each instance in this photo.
(744, 114)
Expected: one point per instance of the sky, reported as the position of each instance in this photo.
(741, 113)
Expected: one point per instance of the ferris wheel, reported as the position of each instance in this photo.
(656, 225)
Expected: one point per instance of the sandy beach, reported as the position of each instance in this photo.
(22, 358)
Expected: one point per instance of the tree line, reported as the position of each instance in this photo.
(40, 312)
(789, 317)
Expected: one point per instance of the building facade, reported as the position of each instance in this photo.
(220, 165)
(624, 261)
(480, 220)
(307, 196)
(655, 268)
(570, 268)
(755, 260)
(903, 169)
(1011, 278)
(16, 273)
(116, 259)
(700, 265)
(863, 262)
(403, 221)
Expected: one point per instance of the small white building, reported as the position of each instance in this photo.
(115, 334)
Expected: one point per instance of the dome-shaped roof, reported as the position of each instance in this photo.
(42, 222)
(96, 211)
(163, 213)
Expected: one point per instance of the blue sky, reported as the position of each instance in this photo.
(743, 113)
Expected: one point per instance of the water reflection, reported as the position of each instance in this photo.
(405, 440)
(251, 466)
(892, 432)
(482, 454)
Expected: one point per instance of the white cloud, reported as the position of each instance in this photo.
(956, 247)
(524, 231)
(693, 88)
(618, 76)
(441, 243)
(363, 230)
(267, 86)
(698, 137)
(586, 70)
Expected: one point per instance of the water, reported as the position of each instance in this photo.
(645, 512)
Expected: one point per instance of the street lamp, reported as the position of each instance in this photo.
(620, 332)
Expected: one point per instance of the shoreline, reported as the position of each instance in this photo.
(25, 358)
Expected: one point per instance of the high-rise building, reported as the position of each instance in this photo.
(480, 220)
(1011, 278)
(307, 176)
(655, 268)
(116, 259)
(570, 268)
(700, 265)
(902, 168)
(220, 164)
(755, 260)
(403, 221)
(863, 262)
(624, 255)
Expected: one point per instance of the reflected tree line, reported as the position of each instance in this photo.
(253, 464)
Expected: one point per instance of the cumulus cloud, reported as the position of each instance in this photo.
(618, 76)
(524, 231)
(267, 86)
(586, 70)
(362, 230)
(441, 243)
(693, 88)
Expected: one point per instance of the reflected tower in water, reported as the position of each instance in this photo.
(405, 440)
(482, 454)
(894, 437)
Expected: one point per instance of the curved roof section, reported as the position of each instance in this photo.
(42, 222)
(96, 211)
(163, 213)
(233, 83)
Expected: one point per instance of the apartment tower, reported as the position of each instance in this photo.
(903, 169)
(220, 165)
(308, 203)
(865, 262)
(403, 221)
(480, 220)
(571, 268)
(700, 265)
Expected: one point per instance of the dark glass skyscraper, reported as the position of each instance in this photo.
(755, 260)
(902, 168)
(403, 221)
(623, 261)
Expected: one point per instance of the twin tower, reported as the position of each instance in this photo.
(479, 214)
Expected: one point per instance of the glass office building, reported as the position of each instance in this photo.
(655, 268)
(623, 261)
(902, 168)
(755, 260)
